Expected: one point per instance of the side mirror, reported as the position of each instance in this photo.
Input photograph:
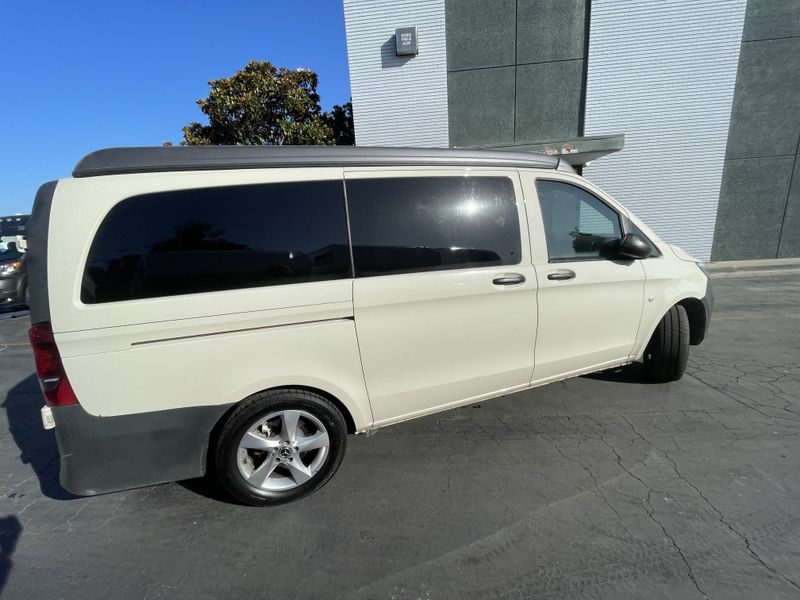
(633, 246)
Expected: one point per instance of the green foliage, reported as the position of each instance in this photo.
(262, 104)
(340, 120)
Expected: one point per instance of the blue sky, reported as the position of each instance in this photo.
(77, 76)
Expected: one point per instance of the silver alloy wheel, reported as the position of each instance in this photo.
(283, 450)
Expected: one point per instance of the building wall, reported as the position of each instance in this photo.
(664, 74)
(759, 204)
(515, 70)
(397, 101)
(713, 171)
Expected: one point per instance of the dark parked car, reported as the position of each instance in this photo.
(13, 276)
(13, 268)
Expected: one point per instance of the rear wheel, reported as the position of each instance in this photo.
(668, 350)
(279, 446)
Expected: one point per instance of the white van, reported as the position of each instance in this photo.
(243, 309)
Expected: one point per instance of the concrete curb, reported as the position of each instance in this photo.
(737, 266)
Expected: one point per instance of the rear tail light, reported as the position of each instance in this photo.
(52, 378)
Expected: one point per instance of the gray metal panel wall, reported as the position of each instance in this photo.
(759, 205)
(397, 100)
(515, 70)
(664, 73)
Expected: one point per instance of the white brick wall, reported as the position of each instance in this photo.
(663, 72)
(397, 101)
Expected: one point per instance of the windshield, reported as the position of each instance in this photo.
(8, 249)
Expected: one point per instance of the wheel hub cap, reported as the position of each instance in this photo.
(283, 450)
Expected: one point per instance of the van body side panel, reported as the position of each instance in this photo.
(589, 321)
(222, 368)
(154, 375)
(668, 282)
(435, 339)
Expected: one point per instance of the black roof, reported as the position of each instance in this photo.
(114, 161)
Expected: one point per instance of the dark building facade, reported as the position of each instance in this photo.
(759, 203)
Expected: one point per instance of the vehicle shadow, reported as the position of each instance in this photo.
(13, 312)
(208, 488)
(632, 373)
(37, 446)
(10, 532)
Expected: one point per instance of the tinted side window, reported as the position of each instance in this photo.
(415, 224)
(577, 225)
(222, 238)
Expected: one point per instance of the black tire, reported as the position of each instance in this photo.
(223, 455)
(667, 352)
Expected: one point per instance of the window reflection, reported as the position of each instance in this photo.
(222, 238)
(404, 225)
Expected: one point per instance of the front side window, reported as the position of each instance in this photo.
(577, 224)
(406, 225)
(221, 238)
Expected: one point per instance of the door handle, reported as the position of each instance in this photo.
(561, 275)
(510, 279)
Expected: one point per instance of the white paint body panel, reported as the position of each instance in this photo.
(222, 369)
(668, 282)
(590, 321)
(441, 338)
(389, 348)
(124, 358)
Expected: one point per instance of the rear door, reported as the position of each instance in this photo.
(590, 303)
(445, 293)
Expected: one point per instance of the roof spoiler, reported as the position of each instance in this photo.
(116, 161)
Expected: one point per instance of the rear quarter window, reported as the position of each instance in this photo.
(221, 238)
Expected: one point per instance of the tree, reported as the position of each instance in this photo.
(262, 104)
(340, 120)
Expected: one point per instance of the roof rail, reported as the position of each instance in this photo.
(115, 161)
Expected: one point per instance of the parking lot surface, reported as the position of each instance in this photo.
(597, 487)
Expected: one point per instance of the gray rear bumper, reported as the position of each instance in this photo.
(106, 454)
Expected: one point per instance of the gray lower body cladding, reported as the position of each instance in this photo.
(106, 454)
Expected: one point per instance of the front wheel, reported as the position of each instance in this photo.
(667, 352)
(278, 446)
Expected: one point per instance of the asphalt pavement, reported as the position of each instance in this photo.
(598, 487)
